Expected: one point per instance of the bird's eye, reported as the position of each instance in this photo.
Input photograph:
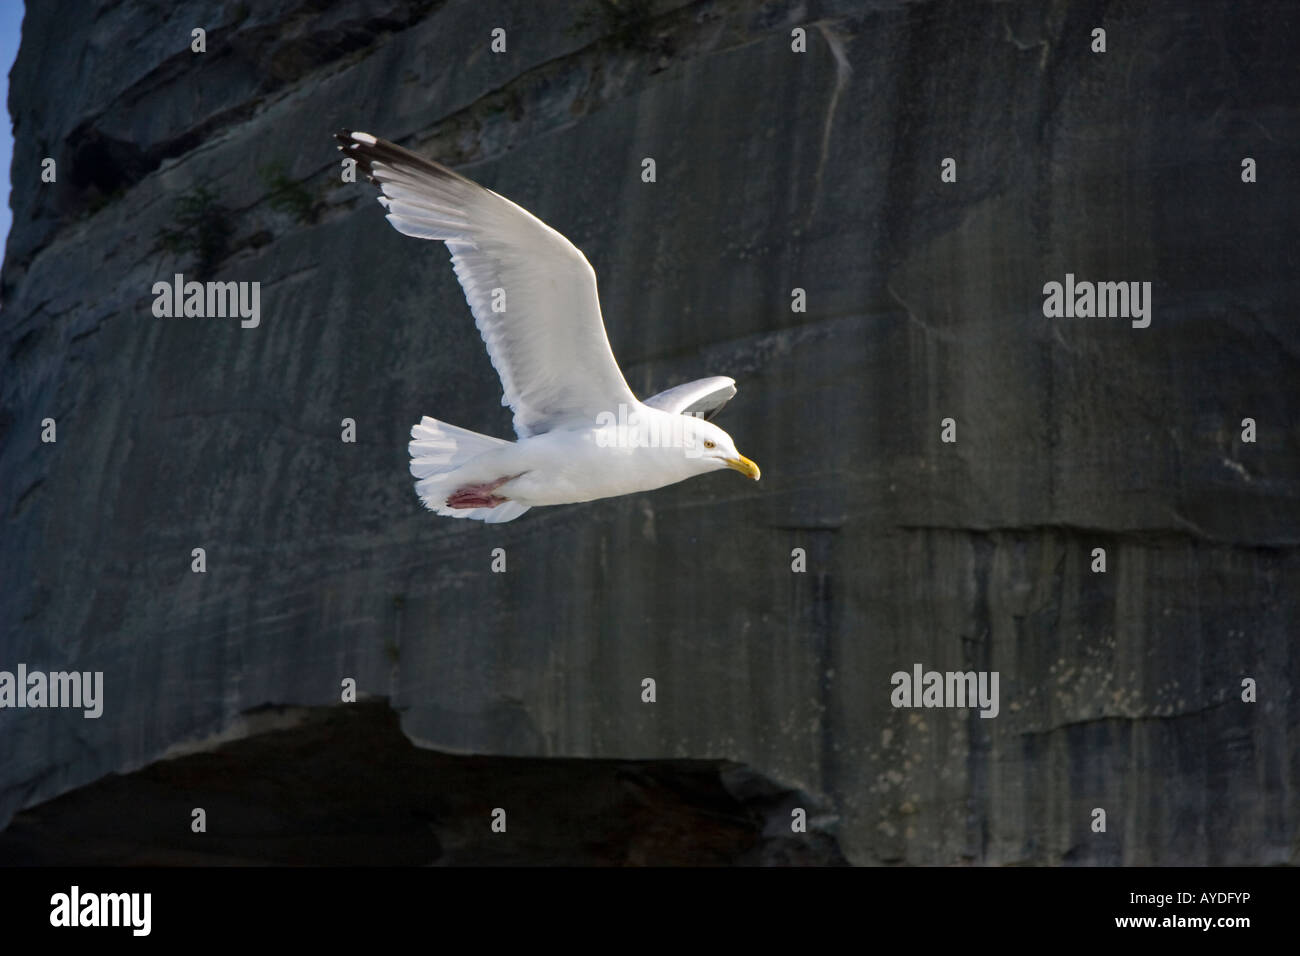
(709, 444)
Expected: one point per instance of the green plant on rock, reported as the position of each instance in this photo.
(626, 22)
(99, 200)
(201, 228)
(287, 195)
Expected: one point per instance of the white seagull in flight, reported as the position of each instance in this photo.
(582, 434)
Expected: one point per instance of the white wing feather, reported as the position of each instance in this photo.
(548, 344)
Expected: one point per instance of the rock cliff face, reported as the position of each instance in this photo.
(775, 170)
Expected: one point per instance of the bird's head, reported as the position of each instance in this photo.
(714, 449)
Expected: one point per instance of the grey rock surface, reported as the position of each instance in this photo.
(775, 170)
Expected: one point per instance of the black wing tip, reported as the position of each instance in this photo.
(348, 143)
(350, 140)
(374, 149)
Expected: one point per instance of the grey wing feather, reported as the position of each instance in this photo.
(704, 396)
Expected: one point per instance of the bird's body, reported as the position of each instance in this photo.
(582, 434)
(567, 466)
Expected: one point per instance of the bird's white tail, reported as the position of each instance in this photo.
(439, 452)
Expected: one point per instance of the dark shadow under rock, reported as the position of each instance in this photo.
(342, 785)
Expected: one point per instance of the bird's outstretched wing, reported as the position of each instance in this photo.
(533, 294)
(704, 396)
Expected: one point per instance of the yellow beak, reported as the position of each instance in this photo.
(744, 466)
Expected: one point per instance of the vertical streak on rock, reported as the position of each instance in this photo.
(978, 656)
(821, 621)
(842, 72)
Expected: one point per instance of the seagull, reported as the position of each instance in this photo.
(581, 433)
